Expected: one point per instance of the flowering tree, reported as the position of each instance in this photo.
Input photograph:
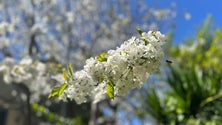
(64, 31)
(33, 74)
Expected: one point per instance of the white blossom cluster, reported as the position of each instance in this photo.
(5, 27)
(118, 70)
(33, 74)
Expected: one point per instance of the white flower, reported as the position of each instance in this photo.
(6, 27)
(33, 74)
(5, 68)
(125, 68)
(80, 88)
(95, 69)
(100, 92)
(26, 61)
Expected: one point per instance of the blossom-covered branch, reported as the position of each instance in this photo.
(115, 72)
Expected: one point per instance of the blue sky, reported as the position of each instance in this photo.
(199, 10)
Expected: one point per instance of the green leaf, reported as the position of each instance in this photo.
(65, 75)
(70, 70)
(211, 99)
(102, 57)
(145, 41)
(139, 31)
(110, 90)
(154, 34)
(62, 88)
(57, 91)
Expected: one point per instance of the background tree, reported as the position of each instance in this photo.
(65, 31)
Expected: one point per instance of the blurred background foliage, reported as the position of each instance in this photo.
(193, 81)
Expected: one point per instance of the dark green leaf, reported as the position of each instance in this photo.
(139, 31)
